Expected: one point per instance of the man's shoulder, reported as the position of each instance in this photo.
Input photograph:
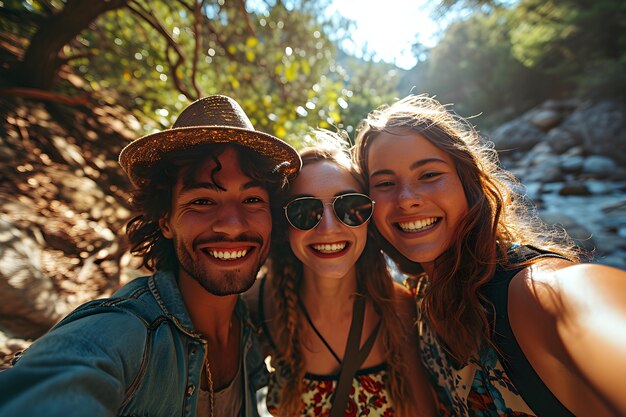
(134, 298)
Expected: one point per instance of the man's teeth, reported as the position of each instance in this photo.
(417, 225)
(228, 255)
(330, 248)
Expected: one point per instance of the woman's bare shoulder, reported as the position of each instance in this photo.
(575, 313)
(561, 287)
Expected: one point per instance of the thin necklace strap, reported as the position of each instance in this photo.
(308, 318)
(354, 357)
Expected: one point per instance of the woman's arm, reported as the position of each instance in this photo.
(570, 321)
(419, 385)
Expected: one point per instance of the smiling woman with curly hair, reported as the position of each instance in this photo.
(510, 322)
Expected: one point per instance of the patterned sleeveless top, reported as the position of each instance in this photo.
(488, 385)
(369, 395)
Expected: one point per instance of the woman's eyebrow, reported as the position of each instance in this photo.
(413, 166)
(347, 191)
(381, 172)
(425, 161)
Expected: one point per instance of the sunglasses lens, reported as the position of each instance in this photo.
(353, 209)
(305, 213)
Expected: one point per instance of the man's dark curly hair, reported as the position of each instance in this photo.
(154, 200)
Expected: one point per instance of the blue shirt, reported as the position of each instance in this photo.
(135, 353)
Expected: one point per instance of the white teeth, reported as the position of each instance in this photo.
(330, 248)
(417, 225)
(228, 255)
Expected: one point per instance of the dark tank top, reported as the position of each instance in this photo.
(532, 389)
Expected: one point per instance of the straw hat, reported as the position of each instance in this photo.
(213, 119)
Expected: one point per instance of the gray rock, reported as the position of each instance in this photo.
(602, 187)
(540, 154)
(546, 119)
(517, 135)
(602, 127)
(544, 173)
(574, 188)
(561, 105)
(29, 303)
(552, 188)
(618, 174)
(599, 166)
(561, 140)
(572, 164)
(573, 151)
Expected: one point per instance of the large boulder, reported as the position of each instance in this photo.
(546, 119)
(599, 166)
(561, 140)
(516, 135)
(601, 128)
(29, 302)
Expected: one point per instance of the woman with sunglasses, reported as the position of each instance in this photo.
(329, 310)
(510, 323)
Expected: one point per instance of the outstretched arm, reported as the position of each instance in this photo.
(81, 368)
(570, 321)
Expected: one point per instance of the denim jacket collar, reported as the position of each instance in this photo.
(166, 292)
(164, 288)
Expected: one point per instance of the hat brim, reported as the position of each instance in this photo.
(148, 150)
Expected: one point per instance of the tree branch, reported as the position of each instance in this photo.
(171, 44)
(246, 17)
(37, 94)
(197, 27)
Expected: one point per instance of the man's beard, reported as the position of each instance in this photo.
(214, 281)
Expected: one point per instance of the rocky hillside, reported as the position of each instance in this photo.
(571, 157)
(63, 206)
(64, 199)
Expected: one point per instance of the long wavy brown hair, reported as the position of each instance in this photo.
(498, 217)
(154, 200)
(372, 278)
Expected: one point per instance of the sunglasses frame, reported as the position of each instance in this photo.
(324, 204)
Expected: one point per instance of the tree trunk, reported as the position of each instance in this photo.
(41, 60)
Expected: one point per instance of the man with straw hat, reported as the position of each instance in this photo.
(176, 343)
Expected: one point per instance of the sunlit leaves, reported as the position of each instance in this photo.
(278, 59)
(540, 28)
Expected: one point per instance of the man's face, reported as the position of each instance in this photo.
(221, 232)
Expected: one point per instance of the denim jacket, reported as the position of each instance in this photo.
(134, 354)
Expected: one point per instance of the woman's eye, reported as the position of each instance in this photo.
(430, 175)
(382, 184)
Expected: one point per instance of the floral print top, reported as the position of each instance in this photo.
(368, 396)
(480, 388)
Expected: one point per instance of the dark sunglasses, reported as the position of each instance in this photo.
(352, 209)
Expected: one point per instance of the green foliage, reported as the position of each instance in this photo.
(368, 85)
(276, 58)
(473, 67)
(281, 61)
(578, 40)
(500, 61)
